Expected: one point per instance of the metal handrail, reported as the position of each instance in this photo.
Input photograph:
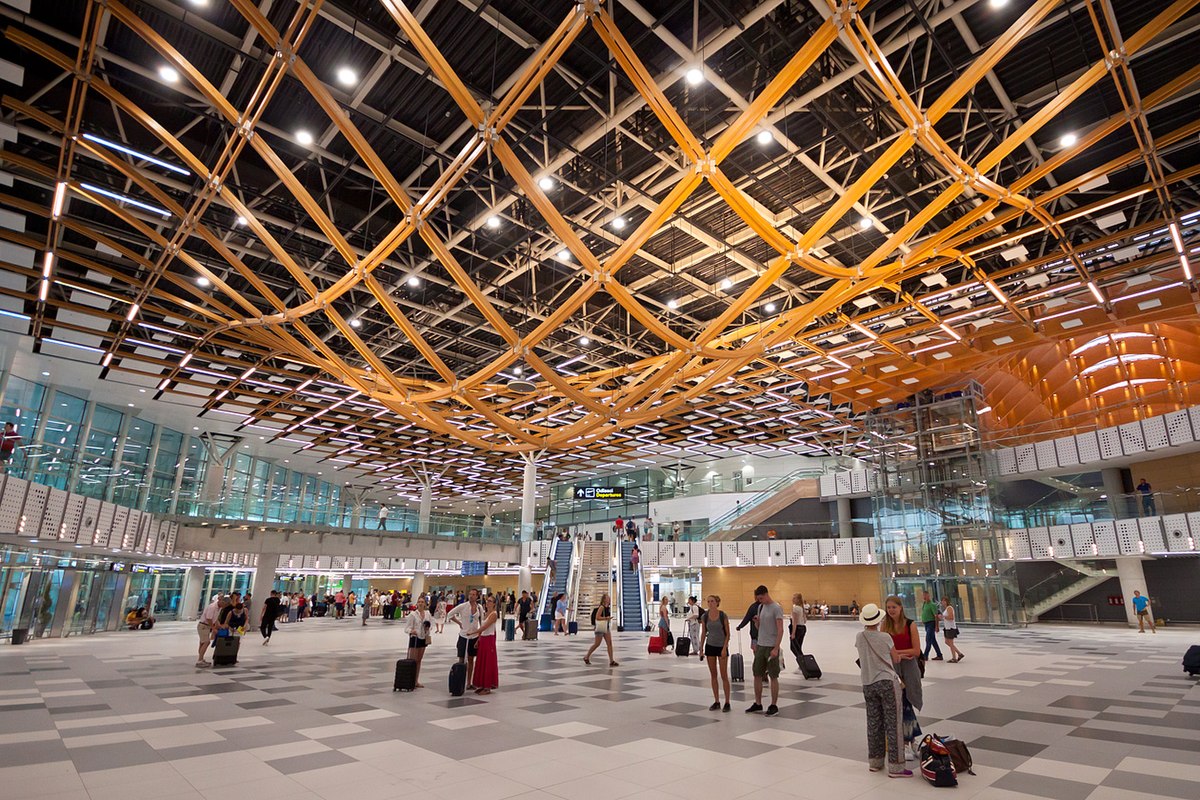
(721, 522)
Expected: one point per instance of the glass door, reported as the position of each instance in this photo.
(41, 599)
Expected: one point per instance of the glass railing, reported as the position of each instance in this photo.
(1096, 508)
(1060, 579)
(727, 520)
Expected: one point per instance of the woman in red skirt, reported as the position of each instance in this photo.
(487, 668)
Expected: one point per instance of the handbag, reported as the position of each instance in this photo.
(921, 665)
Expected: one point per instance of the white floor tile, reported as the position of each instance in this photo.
(568, 729)
(463, 722)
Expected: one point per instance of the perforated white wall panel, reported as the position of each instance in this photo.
(52, 517)
(1065, 451)
(1147, 528)
(122, 534)
(1088, 447)
(762, 554)
(1194, 417)
(309, 562)
(72, 519)
(811, 554)
(1151, 534)
(828, 486)
(1110, 443)
(35, 506)
(746, 552)
(1127, 530)
(1106, 539)
(858, 481)
(842, 482)
(729, 554)
(1019, 544)
(843, 553)
(1177, 533)
(825, 550)
(1132, 439)
(1060, 540)
(1039, 542)
(1154, 429)
(1179, 427)
(1081, 540)
(104, 525)
(1026, 458)
(862, 551)
(1047, 456)
(135, 532)
(1006, 461)
(793, 549)
(10, 505)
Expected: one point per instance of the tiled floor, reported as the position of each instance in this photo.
(1055, 712)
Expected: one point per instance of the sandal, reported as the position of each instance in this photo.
(614, 664)
(483, 691)
(586, 661)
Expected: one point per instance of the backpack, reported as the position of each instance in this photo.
(936, 765)
(959, 754)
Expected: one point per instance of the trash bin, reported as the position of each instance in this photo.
(19, 635)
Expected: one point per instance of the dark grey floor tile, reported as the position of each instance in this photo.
(1191, 744)
(549, 708)
(253, 704)
(305, 763)
(350, 709)
(686, 721)
(79, 709)
(1020, 748)
(1042, 786)
(112, 756)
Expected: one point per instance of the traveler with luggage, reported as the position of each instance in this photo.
(270, 613)
(766, 651)
(692, 619)
(487, 671)
(206, 628)
(420, 634)
(714, 648)
(524, 609)
(560, 614)
(950, 629)
(468, 617)
(906, 640)
(799, 628)
(602, 622)
(882, 692)
(664, 624)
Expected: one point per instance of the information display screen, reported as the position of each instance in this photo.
(599, 493)
(474, 568)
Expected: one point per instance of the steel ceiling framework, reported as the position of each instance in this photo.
(910, 220)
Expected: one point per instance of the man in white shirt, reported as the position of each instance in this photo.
(206, 627)
(383, 515)
(468, 617)
(766, 650)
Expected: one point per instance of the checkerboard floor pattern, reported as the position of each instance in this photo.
(1055, 712)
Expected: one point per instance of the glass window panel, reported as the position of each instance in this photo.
(135, 459)
(64, 417)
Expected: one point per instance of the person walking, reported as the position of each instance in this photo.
(560, 614)
(383, 515)
(487, 674)
(881, 690)
(1147, 493)
(929, 618)
(714, 645)
(751, 619)
(1141, 604)
(468, 617)
(799, 627)
(339, 604)
(524, 609)
(270, 613)
(602, 622)
(8, 445)
(664, 623)
(351, 604)
(206, 629)
(766, 651)
(906, 640)
(692, 619)
(420, 627)
(950, 629)
(635, 558)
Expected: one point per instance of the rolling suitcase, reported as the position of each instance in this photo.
(458, 679)
(683, 647)
(531, 631)
(808, 665)
(225, 651)
(656, 644)
(406, 675)
(510, 630)
(737, 668)
(573, 628)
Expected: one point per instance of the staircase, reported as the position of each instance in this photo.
(562, 577)
(595, 574)
(1072, 580)
(764, 505)
(631, 592)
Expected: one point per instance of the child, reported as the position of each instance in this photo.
(881, 688)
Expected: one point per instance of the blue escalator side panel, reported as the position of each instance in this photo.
(631, 605)
(562, 566)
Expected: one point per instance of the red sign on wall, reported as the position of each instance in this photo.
(1116, 600)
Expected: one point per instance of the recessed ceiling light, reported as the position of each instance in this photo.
(764, 137)
(997, 3)
(304, 138)
(493, 222)
(564, 255)
(240, 220)
(672, 304)
(347, 76)
(864, 222)
(546, 183)
(413, 280)
(356, 323)
(769, 307)
(694, 76)
(1068, 140)
(45, 374)
(618, 223)
(727, 283)
(585, 341)
(168, 74)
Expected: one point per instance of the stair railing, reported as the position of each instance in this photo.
(722, 522)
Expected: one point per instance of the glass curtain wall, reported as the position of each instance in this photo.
(135, 461)
(166, 467)
(60, 438)
(22, 406)
(96, 467)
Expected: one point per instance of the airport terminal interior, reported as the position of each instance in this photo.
(320, 319)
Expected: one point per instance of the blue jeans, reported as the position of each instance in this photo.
(931, 639)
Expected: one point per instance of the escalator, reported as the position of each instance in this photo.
(632, 607)
(560, 579)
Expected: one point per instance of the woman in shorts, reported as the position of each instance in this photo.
(664, 623)
(950, 629)
(714, 644)
(602, 621)
(420, 630)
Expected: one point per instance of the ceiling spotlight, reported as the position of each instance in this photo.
(240, 220)
(493, 222)
(347, 76)
(694, 76)
(672, 304)
(516, 371)
(356, 323)
(414, 281)
(197, 4)
(546, 183)
(203, 281)
(764, 137)
(304, 138)
(769, 308)
(168, 74)
(864, 223)
(618, 223)
(585, 341)
(997, 3)
(564, 255)
(1068, 140)
(727, 283)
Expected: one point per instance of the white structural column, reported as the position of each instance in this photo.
(1132, 576)
(261, 585)
(524, 579)
(418, 585)
(1114, 487)
(845, 518)
(426, 510)
(189, 598)
(529, 495)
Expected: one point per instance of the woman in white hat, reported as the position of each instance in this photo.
(881, 689)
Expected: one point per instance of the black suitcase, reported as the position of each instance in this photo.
(510, 630)
(458, 679)
(531, 630)
(737, 668)
(683, 647)
(406, 675)
(808, 665)
(225, 651)
(573, 628)
(1191, 660)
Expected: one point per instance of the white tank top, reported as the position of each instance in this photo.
(950, 624)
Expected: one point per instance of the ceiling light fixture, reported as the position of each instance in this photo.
(997, 3)
(1068, 140)
(564, 255)
(414, 281)
(546, 183)
(1177, 238)
(769, 308)
(727, 283)
(203, 281)
(864, 223)
(168, 74)
(493, 222)
(950, 331)
(585, 341)
(356, 323)
(618, 223)
(240, 220)
(304, 138)
(347, 76)
(764, 137)
(694, 76)
(1095, 290)
(60, 196)
(672, 304)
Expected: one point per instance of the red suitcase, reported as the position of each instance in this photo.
(656, 644)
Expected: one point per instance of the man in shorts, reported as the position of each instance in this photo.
(766, 650)
(468, 617)
(524, 607)
(1141, 604)
(206, 628)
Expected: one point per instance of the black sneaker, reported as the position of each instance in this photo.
(754, 709)
(726, 707)
(715, 707)
(772, 710)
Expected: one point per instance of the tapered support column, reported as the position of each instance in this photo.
(189, 598)
(426, 510)
(845, 518)
(261, 585)
(524, 579)
(1114, 487)
(529, 496)
(1132, 577)
(418, 585)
